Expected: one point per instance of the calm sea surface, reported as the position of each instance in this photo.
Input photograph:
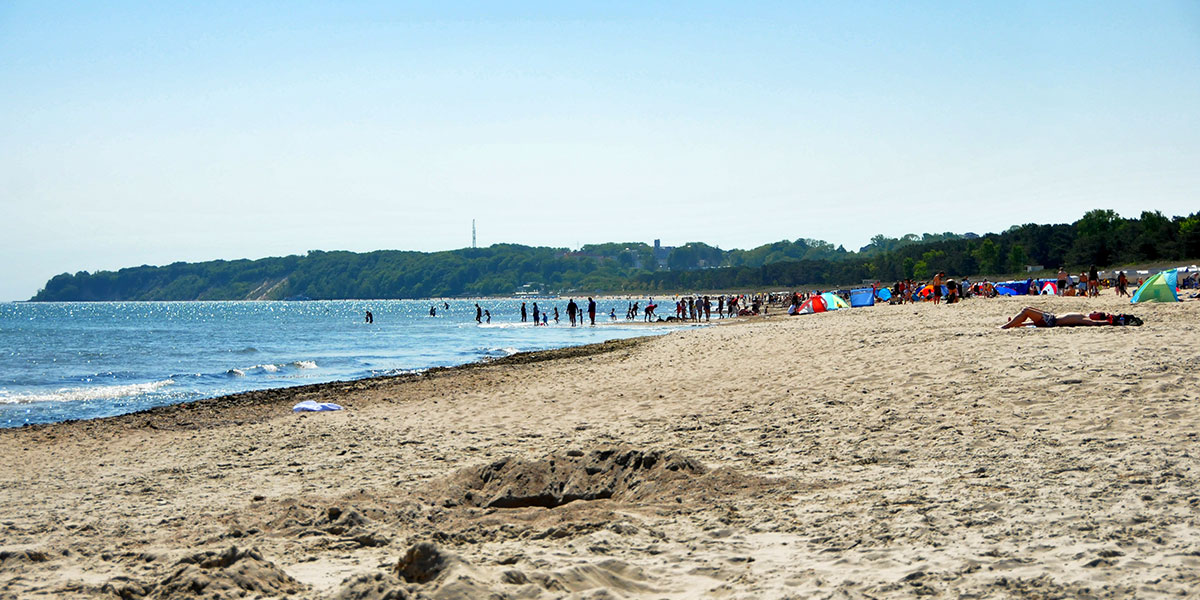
(63, 361)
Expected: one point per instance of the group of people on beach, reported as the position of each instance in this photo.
(697, 308)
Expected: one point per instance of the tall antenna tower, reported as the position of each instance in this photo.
(472, 233)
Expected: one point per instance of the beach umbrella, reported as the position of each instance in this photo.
(1050, 289)
(1162, 287)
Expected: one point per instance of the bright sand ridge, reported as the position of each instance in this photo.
(911, 450)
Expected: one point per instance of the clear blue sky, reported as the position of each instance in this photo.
(153, 132)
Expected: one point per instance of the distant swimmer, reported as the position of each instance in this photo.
(433, 311)
(556, 315)
(612, 315)
(478, 313)
(370, 317)
(487, 315)
(446, 305)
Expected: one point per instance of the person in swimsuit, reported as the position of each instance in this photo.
(1041, 318)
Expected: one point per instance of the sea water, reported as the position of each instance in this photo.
(82, 360)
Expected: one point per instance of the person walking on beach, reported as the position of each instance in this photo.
(1062, 281)
(523, 317)
(937, 288)
(1093, 282)
(478, 313)
(592, 311)
(707, 309)
(1122, 284)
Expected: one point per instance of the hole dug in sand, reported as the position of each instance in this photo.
(620, 474)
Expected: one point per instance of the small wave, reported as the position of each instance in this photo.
(305, 364)
(107, 392)
(266, 368)
(507, 351)
(246, 350)
(235, 373)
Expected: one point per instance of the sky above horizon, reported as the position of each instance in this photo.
(150, 133)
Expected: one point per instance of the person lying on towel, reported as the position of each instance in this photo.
(1041, 318)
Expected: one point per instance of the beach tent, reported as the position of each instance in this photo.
(816, 304)
(883, 294)
(1159, 288)
(1049, 289)
(834, 301)
(927, 291)
(862, 297)
(1009, 288)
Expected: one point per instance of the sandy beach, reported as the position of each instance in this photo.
(894, 451)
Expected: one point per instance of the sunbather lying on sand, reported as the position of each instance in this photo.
(1041, 318)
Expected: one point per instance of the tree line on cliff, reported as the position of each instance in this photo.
(1100, 237)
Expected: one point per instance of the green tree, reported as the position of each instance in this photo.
(987, 256)
(1018, 259)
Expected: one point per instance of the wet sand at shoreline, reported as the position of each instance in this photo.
(884, 452)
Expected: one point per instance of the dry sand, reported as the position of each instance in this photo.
(885, 452)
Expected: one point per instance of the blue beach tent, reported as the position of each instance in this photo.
(862, 297)
(883, 294)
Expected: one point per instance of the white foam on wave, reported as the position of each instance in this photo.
(305, 364)
(267, 368)
(107, 392)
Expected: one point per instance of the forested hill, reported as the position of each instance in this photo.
(1100, 237)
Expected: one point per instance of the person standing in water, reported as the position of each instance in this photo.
(487, 314)
(524, 318)
(592, 311)
(432, 311)
(572, 308)
(478, 313)
(536, 313)
(370, 317)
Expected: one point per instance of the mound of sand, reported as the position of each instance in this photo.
(428, 571)
(232, 573)
(617, 473)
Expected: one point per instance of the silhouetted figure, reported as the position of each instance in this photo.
(478, 313)
(487, 315)
(370, 317)
(592, 311)
(433, 311)
(572, 309)
(523, 317)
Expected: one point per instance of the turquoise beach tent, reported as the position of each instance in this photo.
(1162, 287)
(883, 294)
(833, 301)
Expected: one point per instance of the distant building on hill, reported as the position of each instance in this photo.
(661, 253)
